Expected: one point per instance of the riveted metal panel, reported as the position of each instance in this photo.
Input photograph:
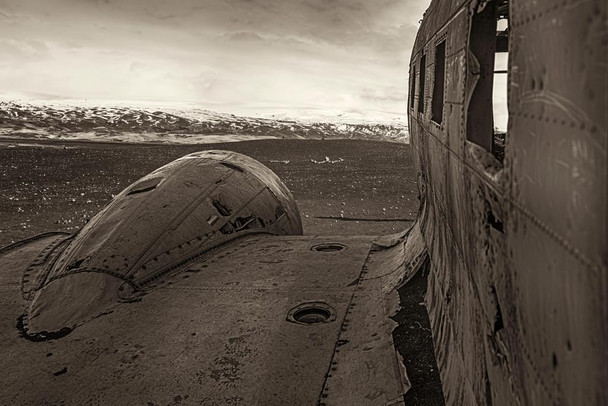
(178, 213)
(559, 114)
(518, 287)
(557, 226)
(216, 333)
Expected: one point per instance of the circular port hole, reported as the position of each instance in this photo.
(328, 247)
(311, 313)
(312, 316)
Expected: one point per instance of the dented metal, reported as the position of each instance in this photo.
(153, 229)
(517, 292)
(515, 226)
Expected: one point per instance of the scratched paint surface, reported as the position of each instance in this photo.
(168, 218)
(214, 334)
(518, 289)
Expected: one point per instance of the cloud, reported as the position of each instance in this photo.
(19, 50)
(347, 53)
(243, 36)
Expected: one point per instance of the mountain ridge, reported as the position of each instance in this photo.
(124, 123)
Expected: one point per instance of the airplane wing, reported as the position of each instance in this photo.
(265, 320)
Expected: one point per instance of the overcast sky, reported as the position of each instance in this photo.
(343, 54)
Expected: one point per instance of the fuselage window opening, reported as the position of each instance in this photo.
(437, 102)
(421, 84)
(501, 83)
(413, 87)
(487, 113)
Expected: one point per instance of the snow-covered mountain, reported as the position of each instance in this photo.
(170, 124)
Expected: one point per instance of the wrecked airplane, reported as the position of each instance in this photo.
(195, 283)
(516, 228)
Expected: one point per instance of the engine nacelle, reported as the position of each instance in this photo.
(153, 229)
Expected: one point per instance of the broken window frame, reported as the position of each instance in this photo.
(481, 61)
(413, 87)
(500, 86)
(421, 84)
(437, 101)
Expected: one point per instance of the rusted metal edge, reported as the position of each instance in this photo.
(21, 243)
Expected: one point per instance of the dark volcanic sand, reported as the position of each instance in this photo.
(51, 186)
(414, 341)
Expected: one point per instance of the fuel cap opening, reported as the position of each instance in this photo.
(328, 247)
(312, 313)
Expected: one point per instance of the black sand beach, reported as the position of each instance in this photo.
(342, 187)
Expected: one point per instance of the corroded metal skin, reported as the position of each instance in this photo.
(152, 229)
(517, 293)
(220, 332)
